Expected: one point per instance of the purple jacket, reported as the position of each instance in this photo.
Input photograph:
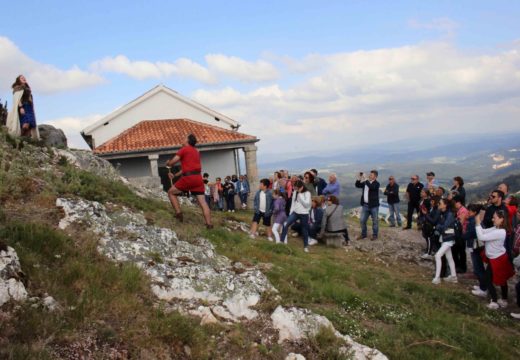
(279, 211)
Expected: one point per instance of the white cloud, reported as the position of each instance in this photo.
(237, 68)
(370, 96)
(44, 78)
(145, 69)
(218, 66)
(72, 127)
(442, 24)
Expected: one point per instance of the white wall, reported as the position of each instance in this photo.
(159, 106)
(218, 163)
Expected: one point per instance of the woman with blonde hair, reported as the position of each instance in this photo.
(21, 121)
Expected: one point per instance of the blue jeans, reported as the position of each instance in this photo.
(243, 198)
(394, 212)
(478, 269)
(365, 213)
(304, 221)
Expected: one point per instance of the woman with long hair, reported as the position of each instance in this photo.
(499, 268)
(21, 121)
(300, 207)
(444, 229)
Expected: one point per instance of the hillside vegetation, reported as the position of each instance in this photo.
(108, 311)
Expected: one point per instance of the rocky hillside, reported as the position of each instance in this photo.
(92, 267)
(96, 258)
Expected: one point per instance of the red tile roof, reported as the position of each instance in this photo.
(157, 134)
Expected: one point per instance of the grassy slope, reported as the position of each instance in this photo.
(395, 309)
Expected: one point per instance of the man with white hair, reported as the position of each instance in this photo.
(333, 188)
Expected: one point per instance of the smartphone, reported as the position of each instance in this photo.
(361, 174)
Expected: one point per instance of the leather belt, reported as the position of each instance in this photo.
(191, 173)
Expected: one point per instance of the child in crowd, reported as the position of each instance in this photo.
(315, 217)
(475, 248)
(263, 208)
(279, 215)
(229, 194)
(207, 192)
(431, 217)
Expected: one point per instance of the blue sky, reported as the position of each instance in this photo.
(289, 71)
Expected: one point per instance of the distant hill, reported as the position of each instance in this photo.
(480, 161)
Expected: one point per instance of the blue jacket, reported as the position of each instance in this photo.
(471, 233)
(446, 222)
(268, 202)
(318, 216)
(320, 185)
(242, 187)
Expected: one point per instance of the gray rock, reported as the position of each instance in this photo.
(193, 274)
(11, 288)
(295, 324)
(52, 136)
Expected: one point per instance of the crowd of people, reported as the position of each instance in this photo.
(489, 232)
(309, 207)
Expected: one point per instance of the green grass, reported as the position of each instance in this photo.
(394, 309)
(94, 293)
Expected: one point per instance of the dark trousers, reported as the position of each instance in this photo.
(491, 287)
(243, 198)
(459, 255)
(230, 201)
(478, 269)
(409, 215)
(517, 288)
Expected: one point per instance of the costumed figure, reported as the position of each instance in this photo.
(21, 121)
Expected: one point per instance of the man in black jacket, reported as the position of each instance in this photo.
(413, 193)
(369, 203)
(496, 203)
(392, 198)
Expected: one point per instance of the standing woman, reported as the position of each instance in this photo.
(444, 229)
(300, 207)
(458, 189)
(21, 121)
(499, 268)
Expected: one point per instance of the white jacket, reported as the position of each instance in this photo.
(493, 239)
(301, 203)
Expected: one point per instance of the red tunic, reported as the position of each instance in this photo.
(190, 161)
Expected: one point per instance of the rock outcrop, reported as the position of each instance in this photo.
(11, 286)
(52, 136)
(192, 277)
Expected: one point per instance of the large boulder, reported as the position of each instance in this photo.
(52, 136)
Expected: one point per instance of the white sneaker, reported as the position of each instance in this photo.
(313, 241)
(515, 315)
(252, 236)
(476, 287)
(502, 303)
(493, 305)
(306, 249)
(451, 279)
(478, 292)
(232, 210)
(426, 257)
(270, 239)
(294, 234)
(436, 281)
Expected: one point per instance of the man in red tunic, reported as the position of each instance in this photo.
(191, 179)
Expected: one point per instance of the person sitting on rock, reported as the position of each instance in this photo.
(191, 179)
(333, 220)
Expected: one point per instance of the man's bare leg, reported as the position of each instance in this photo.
(205, 209)
(254, 227)
(172, 195)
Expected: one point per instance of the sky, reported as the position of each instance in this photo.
(303, 76)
